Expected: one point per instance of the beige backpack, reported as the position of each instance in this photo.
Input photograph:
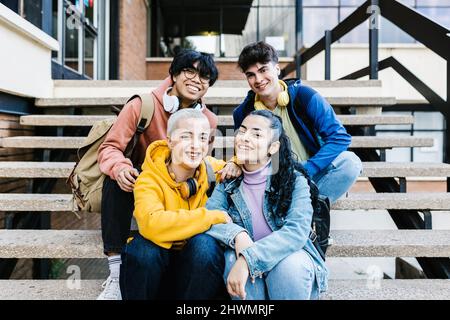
(86, 179)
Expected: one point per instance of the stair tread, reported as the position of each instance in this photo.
(417, 289)
(53, 142)
(420, 289)
(208, 100)
(89, 120)
(347, 243)
(354, 201)
(410, 200)
(36, 169)
(219, 83)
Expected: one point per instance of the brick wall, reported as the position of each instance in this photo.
(133, 39)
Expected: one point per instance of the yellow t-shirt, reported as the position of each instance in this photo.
(297, 146)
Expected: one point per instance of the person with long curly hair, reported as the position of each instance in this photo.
(317, 136)
(269, 254)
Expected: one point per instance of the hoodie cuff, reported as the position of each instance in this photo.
(311, 168)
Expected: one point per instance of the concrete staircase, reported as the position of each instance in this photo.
(93, 99)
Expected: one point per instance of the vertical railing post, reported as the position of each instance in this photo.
(447, 124)
(374, 9)
(298, 36)
(257, 23)
(327, 55)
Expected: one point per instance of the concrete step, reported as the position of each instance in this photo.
(388, 290)
(348, 243)
(405, 169)
(220, 100)
(337, 290)
(219, 83)
(10, 169)
(76, 121)
(382, 201)
(97, 89)
(354, 201)
(24, 202)
(375, 142)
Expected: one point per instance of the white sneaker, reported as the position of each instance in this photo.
(111, 290)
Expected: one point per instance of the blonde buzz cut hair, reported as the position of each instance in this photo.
(184, 114)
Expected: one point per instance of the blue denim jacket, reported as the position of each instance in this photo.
(290, 233)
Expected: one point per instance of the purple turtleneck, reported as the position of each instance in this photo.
(253, 187)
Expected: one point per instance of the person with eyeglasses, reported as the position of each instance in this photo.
(191, 74)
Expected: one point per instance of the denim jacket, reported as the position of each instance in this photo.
(290, 233)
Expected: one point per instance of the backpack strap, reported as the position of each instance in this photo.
(145, 118)
(211, 178)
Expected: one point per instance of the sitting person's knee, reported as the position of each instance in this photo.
(204, 249)
(351, 163)
(144, 251)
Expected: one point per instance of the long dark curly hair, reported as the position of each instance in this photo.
(284, 165)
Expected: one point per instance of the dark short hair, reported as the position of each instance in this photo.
(186, 59)
(257, 52)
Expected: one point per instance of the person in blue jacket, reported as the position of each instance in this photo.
(318, 138)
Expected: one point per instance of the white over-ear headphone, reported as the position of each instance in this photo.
(172, 103)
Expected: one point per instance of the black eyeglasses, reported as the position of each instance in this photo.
(191, 73)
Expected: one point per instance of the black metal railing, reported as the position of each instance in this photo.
(437, 39)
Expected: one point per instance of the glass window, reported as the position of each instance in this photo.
(439, 15)
(206, 44)
(278, 29)
(55, 24)
(11, 4)
(433, 3)
(278, 2)
(355, 3)
(428, 121)
(32, 11)
(89, 43)
(232, 44)
(430, 154)
(72, 26)
(358, 35)
(320, 3)
(390, 33)
(409, 3)
(316, 21)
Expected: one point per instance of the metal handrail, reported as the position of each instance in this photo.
(399, 14)
(428, 93)
(433, 36)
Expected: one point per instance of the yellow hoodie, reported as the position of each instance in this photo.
(162, 215)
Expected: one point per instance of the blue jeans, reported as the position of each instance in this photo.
(150, 272)
(293, 278)
(336, 179)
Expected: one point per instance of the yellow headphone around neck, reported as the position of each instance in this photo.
(282, 99)
(189, 187)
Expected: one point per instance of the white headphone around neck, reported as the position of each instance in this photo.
(172, 103)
